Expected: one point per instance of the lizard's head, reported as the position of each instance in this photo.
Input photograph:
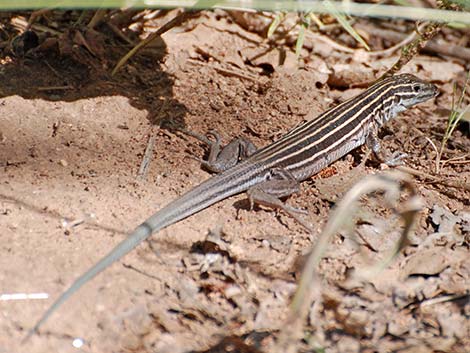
(410, 90)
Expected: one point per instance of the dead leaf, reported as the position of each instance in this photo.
(430, 262)
(445, 219)
(437, 70)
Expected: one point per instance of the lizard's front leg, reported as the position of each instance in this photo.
(281, 183)
(393, 160)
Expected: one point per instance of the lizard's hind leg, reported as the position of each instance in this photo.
(223, 158)
(281, 184)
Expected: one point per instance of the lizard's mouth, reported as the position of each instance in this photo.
(434, 92)
(431, 93)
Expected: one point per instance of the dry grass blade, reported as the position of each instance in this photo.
(185, 15)
(391, 184)
(444, 298)
(317, 21)
(97, 18)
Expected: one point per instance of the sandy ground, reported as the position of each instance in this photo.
(71, 144)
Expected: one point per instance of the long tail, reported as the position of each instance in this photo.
(204, 195)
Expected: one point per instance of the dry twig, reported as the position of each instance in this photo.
(144, 166)
(429, 31)
(412, 49)
(434, 46)
(458, 184)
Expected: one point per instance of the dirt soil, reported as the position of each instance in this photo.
(73, 137)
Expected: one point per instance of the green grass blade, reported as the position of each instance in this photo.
(276, 22)
(300, 39)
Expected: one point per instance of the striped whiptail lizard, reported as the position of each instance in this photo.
(276, 170)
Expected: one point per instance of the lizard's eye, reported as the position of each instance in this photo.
(416, 88)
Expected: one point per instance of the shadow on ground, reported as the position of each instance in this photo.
(77, 64)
